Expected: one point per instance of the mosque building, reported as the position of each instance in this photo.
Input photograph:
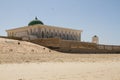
(58, 38)
(37, 30)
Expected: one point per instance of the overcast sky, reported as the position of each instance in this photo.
(94, 17)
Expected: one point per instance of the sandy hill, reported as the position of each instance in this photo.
(15, 51)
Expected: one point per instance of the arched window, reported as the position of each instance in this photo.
(63, 36)
(55, 34)
(51, 34)
(67, 37)
(47, 35)
(30, 31)
(42, 34)
(60, 35)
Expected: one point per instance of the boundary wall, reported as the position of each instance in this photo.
(76, 46)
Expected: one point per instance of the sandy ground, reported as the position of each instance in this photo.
(21, 60)
(14, 51)
(61, 71)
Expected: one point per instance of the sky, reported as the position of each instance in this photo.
(94, 17)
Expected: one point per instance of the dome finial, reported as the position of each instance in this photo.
(36, 18)
(34, 22)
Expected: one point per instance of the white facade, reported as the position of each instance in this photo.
(45, 31)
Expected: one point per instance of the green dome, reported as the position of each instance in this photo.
(34, 22)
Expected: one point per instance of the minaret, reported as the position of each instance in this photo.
(95, 39)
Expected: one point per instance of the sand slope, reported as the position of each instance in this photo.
(15, 51)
